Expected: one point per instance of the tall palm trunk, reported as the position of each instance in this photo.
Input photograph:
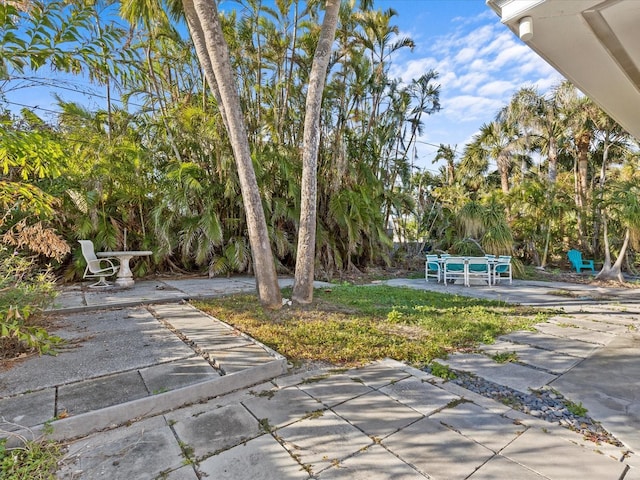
(553, 159)
(305, 257)
(216, 53)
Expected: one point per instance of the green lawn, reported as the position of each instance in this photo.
(350, 325)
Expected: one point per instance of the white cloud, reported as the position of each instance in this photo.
(413, 68)
(470, 108)
(466, 54)
(497, 88)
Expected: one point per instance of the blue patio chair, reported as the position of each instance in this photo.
(432, 268)
(575, 257)
(478, 267)
(502, 269)
(454, 268)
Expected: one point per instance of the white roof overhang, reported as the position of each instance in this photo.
(594, 43)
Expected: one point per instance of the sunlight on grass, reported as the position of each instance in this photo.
(351, 325)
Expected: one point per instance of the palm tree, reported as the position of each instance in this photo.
(500, 142)
(212, 51)
(305, 259)
(448, 154)
(625, 201)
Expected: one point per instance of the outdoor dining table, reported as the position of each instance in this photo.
(492, 261)
(124, 278)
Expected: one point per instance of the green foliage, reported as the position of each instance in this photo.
(165, 174)
(442, 371)
(504, 357)
(34, 460)
(24, 292)
(351, 325)
(575, 408)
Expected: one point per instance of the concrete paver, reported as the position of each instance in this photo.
(589, 324)
(567, 346)
(518, 377)
(176, 374)
(215, 429)
(372, 463)
(81, 397)
(281, 407)
(501, 468)
(42, 405)
(571, 332)
(554, 456)
(607, 385)
(334, 389)
(419, 395)
(333, 440)
(437, 451)
(488, 429)
(376, 414)
(262, 458)
(142, 451)
(553, 362)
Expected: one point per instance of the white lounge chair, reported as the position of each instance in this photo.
(97, 267)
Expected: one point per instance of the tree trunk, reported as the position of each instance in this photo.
(305, 257)
(216, 53)
(613, 272)
(197, 36)
(503, 167)
(553, 160)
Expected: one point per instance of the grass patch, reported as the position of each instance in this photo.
(577, 409)
(442, 371)
(350, 325)
(33, 460)
(504, 357)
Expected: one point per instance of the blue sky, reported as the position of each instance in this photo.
(480, 63)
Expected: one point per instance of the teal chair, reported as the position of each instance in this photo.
(454, 268)
(575, 257)
(502, 269)
(478, 267)
(432, 268)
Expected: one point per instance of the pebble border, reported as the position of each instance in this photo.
(546, 404)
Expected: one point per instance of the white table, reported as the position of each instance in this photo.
(465, 260)
(125, 276)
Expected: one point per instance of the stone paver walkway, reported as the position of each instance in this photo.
(179, 395)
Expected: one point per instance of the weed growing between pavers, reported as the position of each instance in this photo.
(352, 325)
(505, 357)
(33, 459)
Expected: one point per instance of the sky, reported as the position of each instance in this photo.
(480, 64)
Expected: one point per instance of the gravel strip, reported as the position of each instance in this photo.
(546, 404)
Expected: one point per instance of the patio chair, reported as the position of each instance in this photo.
(454, 268)
(575, 257)
(97, 267)
(502, 269)
(478, 267)
(432, 268)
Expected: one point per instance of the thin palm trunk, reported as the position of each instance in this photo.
(305, 258)
(197, 35)
(217, 53)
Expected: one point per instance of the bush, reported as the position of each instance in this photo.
(24, 292)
